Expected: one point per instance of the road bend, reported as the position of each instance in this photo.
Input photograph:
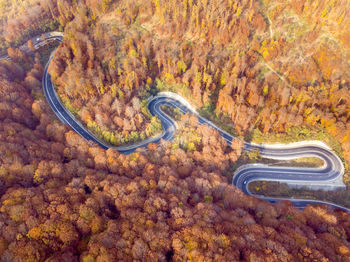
(331, 173)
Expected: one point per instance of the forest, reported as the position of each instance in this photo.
(260, 67)
(65, 200)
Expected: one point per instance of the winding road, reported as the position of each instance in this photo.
(330, 175)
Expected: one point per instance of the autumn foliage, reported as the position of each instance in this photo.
(64, 199)
(258, 63)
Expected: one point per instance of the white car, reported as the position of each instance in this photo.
(38, 39)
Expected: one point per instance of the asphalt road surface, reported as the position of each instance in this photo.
(331, 172)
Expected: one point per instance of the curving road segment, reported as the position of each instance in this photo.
(330, 174)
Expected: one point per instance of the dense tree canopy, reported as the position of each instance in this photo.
(261, 64)
(266, 64)
(62, 198)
